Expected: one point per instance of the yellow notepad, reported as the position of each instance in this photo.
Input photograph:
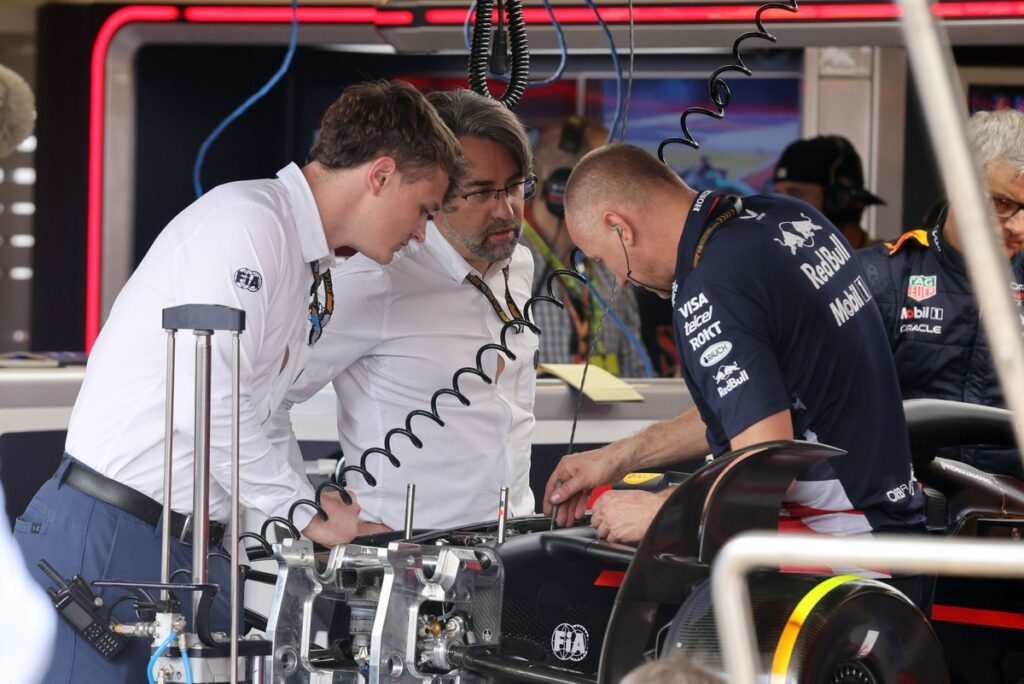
(601, 385)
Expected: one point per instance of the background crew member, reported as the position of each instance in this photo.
(777, 341)
(826, 173)
(568, 332)
(380, 167)
(413, 323)
(921, 287)
(26, 636)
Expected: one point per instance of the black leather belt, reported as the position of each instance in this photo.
(134, 503)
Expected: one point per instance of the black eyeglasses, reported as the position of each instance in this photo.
(1004, 207)
(520, 190)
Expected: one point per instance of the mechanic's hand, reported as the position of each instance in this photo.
(341, 524)
(576, 474)
(625, 516)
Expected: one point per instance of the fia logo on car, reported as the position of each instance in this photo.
(569, 642)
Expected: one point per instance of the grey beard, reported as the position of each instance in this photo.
(477, 246)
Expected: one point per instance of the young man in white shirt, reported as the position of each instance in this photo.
(414, 322)
(380, 168)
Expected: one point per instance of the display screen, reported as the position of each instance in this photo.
(79, 618)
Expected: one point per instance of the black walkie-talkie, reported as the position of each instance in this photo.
(77, 604)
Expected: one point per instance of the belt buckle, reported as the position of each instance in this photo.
(185, 537)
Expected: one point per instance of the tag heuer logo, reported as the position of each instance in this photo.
(921, 287)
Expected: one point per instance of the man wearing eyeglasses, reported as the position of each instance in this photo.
(407, 327)
(921, 286)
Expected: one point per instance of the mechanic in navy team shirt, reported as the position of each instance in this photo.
(778, 340)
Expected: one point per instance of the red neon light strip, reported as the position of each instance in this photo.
(307, 15)
(97, 91)
(977, 616)
(680, 14)
(371, 15)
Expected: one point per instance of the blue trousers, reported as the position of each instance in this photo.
(78, 534)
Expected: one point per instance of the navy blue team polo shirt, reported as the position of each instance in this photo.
(777, 315)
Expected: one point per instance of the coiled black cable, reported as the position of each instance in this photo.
(481, 46)
(341, 469)
(718, 89)
(516, 324)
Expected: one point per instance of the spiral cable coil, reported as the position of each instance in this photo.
(454, 390)
(480, 47)
(718, 89)
(338, 478)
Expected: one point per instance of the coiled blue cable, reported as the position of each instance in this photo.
(156, 656)
(558, 34)
(186, 662)
(253, 99)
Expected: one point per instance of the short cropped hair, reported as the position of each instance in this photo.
(470, 114)
(998, 138)
(623, 172)
(675, 669)
(387, 119)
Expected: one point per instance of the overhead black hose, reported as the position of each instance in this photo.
(718, 89)
(480, 48)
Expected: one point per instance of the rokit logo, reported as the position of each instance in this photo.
(569, 642)
(800, 234)
(706, 335)
(729, 377)
(1018, 291)
(715, 353)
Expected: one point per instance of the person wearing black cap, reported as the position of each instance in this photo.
(826, 173)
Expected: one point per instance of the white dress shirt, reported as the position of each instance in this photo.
(246, 245)
(398, 334)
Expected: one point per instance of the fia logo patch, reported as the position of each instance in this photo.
(570, 642)
(922, 287)
(248, 279)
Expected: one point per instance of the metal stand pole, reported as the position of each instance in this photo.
(165, 533)
(235, 517)
(502, 514)
(410, 501)
(201, 470)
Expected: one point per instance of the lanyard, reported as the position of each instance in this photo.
(319, 317)
(513, 310)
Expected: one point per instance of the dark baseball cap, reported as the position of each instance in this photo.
(828, 160)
